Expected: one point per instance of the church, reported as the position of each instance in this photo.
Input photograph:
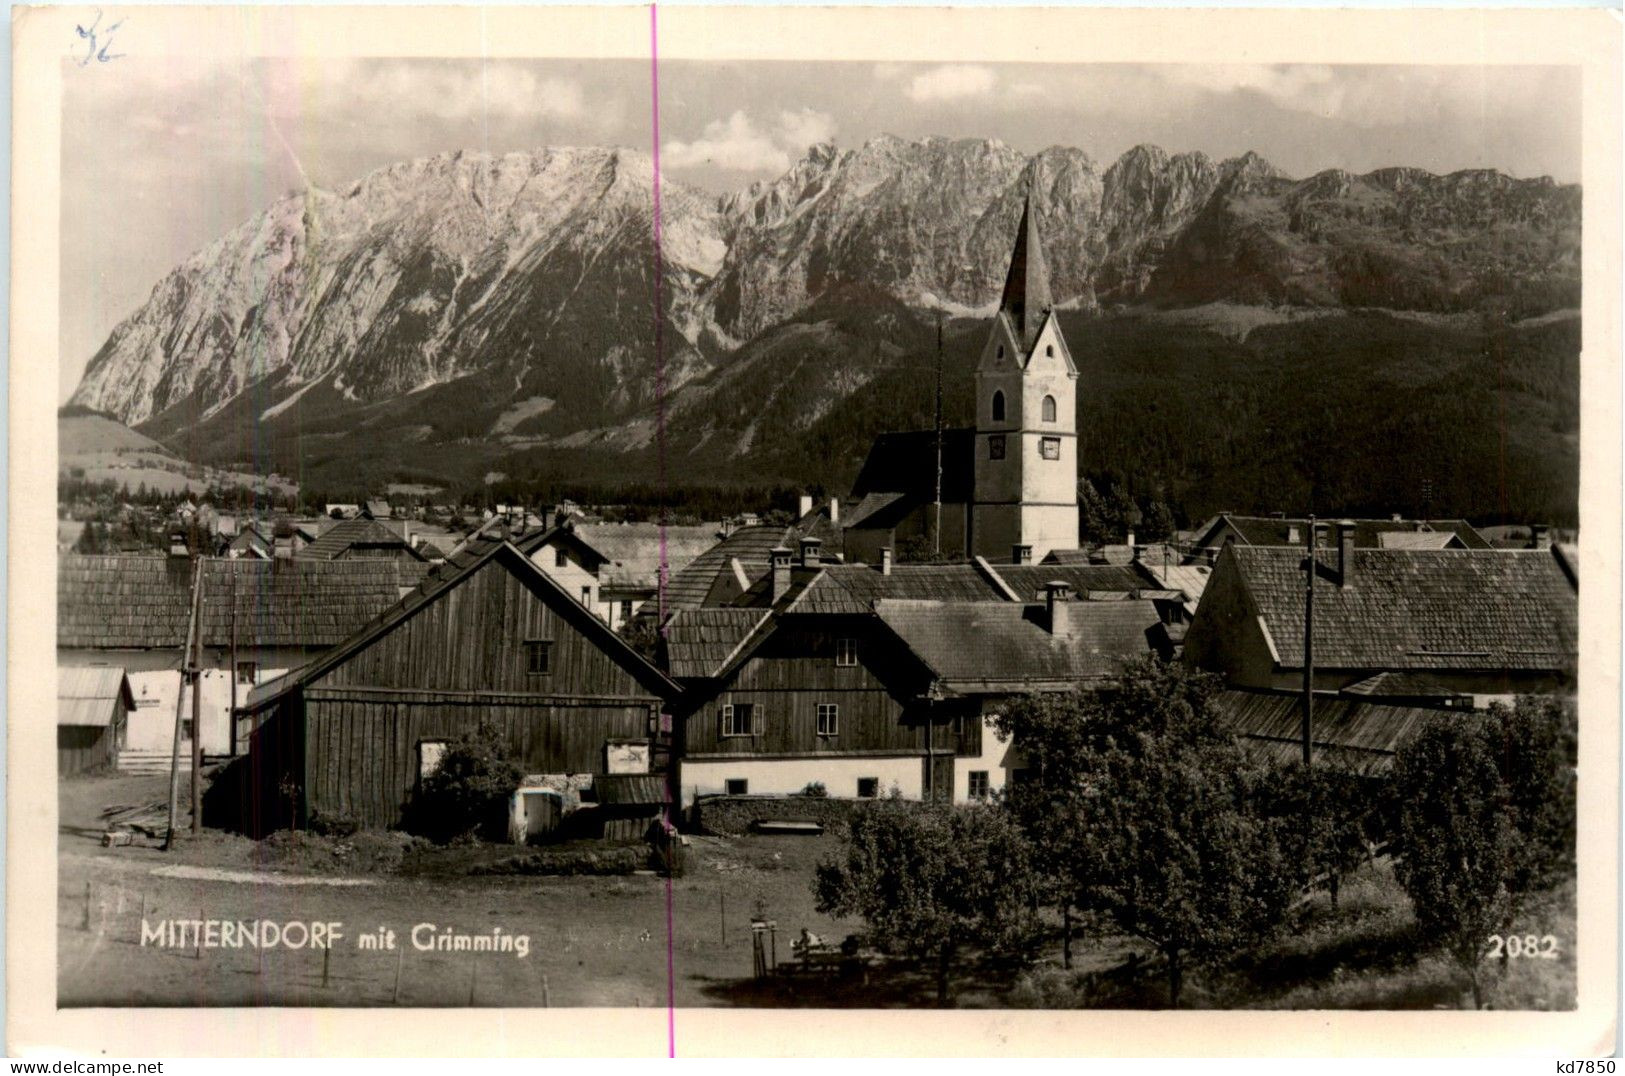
(1010, 483)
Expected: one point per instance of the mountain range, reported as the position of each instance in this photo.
(467, 314)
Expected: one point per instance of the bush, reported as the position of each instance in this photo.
(815, 789)
(468, 794)
(340, 824)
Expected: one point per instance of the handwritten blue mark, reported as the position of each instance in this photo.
(97, 41)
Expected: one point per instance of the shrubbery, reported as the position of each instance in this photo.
(468, 794)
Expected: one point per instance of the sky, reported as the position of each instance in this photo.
(161, 156)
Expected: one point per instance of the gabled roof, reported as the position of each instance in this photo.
(1029, 580)
(1417, 609)
(442, 578)
(1026, 298)
(854, 588)
(358, 537)
(86, 696)
(995, 647)
(1363, 736)
(687, 588)
(1368, 533)
(1189, 579)
(699, 642)
(144, 602)
(906, 463)
(635, 552)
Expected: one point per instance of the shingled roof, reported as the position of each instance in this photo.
(144, 602)
(687, 587)
(1368, 533)
(633, 552)
(359, 538)
(699, 642)
(1417, 609)
(983, 647)
(1363, 736)
(87, 696)
(906, 463)
(854, 588)
(1029, 580)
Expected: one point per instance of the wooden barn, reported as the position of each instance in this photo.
(93, 708)
(486, 639)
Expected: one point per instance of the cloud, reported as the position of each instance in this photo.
(737, 144)
(463, 91)
(798, 130)
(951, 82)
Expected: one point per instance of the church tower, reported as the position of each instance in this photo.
(1026, 417)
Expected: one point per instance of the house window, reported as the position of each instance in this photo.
(995, 447)
(538, 657)
(561, 559)
(978, 785)
(868, 787)
(586, 595)
(1049, 350)
(247, 671)
(829, 719)
(626, 609)
(738, 719)
(737, 786)
(430, 752)
(1050, 448)
(1049, 408)
(846, 652)
(998, 400)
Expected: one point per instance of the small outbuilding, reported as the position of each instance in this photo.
(92, 718)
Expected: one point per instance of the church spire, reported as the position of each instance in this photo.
(1026, 289)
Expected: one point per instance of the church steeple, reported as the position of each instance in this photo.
(1026, 296)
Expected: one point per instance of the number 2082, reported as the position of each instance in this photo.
(1535, 947)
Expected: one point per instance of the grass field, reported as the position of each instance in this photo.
(603, 941)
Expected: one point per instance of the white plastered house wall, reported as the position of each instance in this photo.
(783, 777)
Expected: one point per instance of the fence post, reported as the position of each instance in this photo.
(400, 962)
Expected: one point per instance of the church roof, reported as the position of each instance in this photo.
(1026, 297)
(906, 463)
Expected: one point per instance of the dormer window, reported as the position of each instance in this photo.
(1049, 350)
(1049, 409)
(998, 403)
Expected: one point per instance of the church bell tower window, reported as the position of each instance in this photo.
(998, 407)
(1049, 409)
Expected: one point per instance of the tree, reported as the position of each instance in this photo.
(1325, 816)
(1140, 806)
(642, 634)
(469, 791)
(932, 880)
(1457, 840)
(1094, 518)
(1535, 744)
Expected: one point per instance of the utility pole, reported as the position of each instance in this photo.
(1309, 564)
(180, 709)
(197, 703)
(936, 528)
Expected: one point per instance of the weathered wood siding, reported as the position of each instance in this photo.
(472, 638)
(362, 747)
(794, 670)
(80, 748)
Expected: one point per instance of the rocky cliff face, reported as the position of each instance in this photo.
(533, 274)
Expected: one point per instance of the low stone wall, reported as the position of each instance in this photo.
(732, 815)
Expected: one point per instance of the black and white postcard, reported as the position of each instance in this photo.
(1074, 515)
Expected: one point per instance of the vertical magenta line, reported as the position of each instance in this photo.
(660, 463)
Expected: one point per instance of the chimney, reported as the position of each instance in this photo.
(1397, 518)
(885, 560)
(1021, 554)
(1129, 541)
(780, 559)
(727, 527)
(803, 505)
(809, 552)
(1540, 536)
(1058, 604)
(1293, 535)
(835, 510)
(1345, 552)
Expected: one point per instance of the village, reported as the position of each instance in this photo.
(581, 729)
